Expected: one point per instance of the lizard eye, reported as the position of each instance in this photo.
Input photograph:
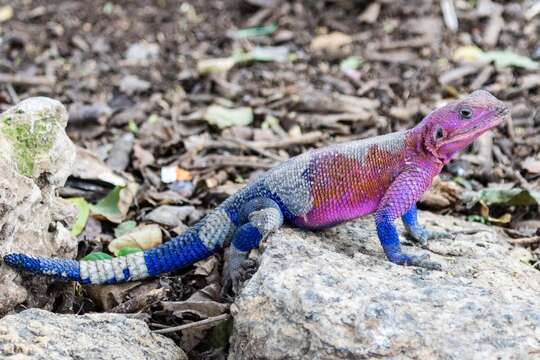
(465, 113)
(439, 133)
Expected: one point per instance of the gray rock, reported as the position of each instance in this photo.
(333, 295)
(36, 157)
(38, 334)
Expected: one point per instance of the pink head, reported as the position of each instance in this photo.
(455, 126)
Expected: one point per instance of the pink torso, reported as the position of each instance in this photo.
(348, 181)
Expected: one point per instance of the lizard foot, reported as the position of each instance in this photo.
(422, 235)
(233, 277)
(417, 260)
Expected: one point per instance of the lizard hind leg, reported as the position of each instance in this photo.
(260, 217)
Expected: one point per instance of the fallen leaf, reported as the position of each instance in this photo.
(254, 31)
(6, 13)
(82, 216)
(126, 250)
(224, 117)
(269, 53)
(142, 237)
(124, 228)
(170, 215)
(206, 266)
(115, 205)
(468, 53)
(502, 196)
(217, 65)
(330, 42)
(504, 59)
(108, 206)
(532, 165)
(350, 63)
(484, 211)
(96, 256)
(89, 167)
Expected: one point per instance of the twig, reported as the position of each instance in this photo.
(253, 146)
(12, 93)
(525, 241)
(304, 139)
(210, 320)
(18, 79)
(449, 15)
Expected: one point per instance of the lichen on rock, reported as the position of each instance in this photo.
(31, 135)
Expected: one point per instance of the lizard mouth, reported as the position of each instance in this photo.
(486, 122)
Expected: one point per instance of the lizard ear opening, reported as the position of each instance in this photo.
(438, 134)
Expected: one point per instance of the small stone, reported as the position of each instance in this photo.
(90, 336)
(142, 51)
(131, 84)
(536, 53)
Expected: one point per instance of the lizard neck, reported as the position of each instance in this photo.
(418, 153)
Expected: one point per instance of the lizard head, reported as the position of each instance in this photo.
(455, 126)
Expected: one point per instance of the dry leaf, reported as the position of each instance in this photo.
(143, 236)
(330, 42)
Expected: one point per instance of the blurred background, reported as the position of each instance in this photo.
(186, 101)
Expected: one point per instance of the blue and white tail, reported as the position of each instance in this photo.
(195, 244)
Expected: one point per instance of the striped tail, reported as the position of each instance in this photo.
(197, 243)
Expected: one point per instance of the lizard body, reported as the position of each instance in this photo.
(384, 175)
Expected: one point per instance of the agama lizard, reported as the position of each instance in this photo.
(385, 175)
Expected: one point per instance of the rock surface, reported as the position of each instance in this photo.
(39, 334)
(332, 295)
(36, 157)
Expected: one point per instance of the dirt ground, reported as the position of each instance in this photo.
(156, 88)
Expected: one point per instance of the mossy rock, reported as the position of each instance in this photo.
(31, 135)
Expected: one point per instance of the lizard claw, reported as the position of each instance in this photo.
(417, 260)
(234, 277)
(422, 236)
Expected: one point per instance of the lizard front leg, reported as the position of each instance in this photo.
(417, 231)
(402, 194)
(261, 216)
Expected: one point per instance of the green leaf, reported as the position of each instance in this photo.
(269, 53)
(133, 127)
(509, 197)
(108, 206)
(218, 336)
(502, 197)
(476, 218)
(351, 63)
(124, 228)
(152, 119)
(270, 121)
(126, 250)
(82, 215)
(504, 59)
(224, 117)
(96, 256)
(255, 31)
